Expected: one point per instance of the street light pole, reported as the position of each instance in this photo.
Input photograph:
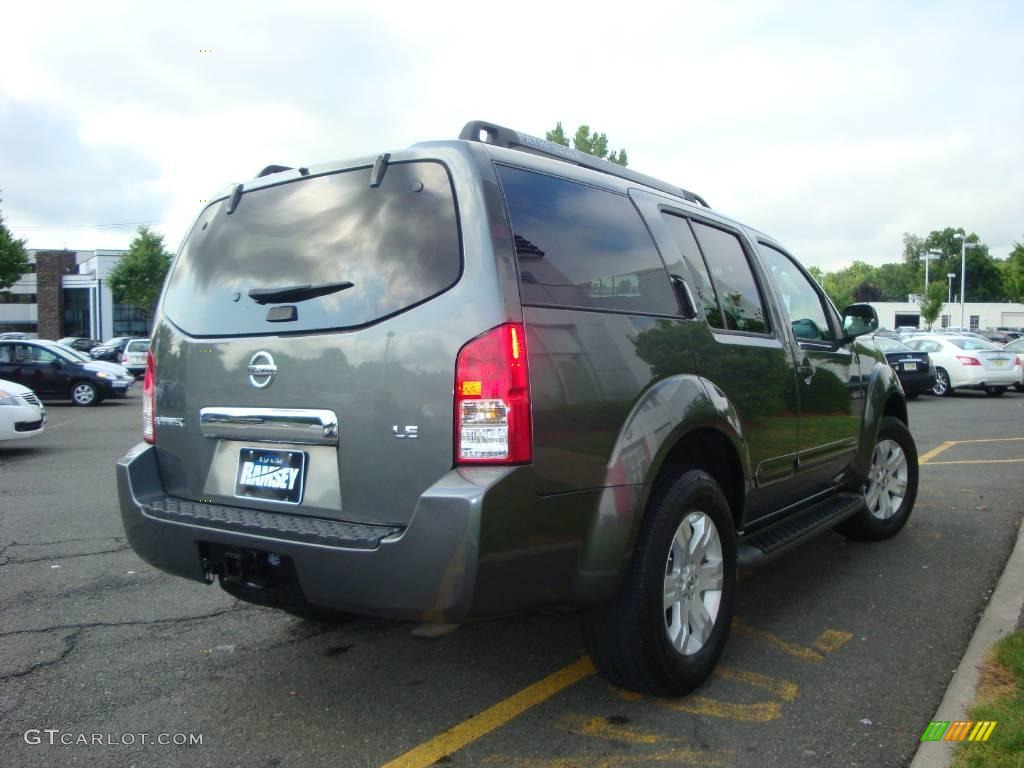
(949, 297)
(964, 245)
(930, 256)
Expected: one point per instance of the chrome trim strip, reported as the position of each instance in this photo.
(305, 426)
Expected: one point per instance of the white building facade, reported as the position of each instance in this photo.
(976, 315)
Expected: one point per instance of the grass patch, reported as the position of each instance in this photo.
(1000, 698)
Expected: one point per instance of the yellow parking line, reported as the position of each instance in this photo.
(925, 458)
(992, 440)
(468, 731)
(975, 461)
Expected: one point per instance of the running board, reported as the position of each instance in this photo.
(763, 546)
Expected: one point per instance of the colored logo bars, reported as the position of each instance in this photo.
(959, 730)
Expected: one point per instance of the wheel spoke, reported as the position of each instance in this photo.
(671, 592)
(710, 576)
(896, 460)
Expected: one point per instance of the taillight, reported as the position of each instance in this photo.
(492, 399)
(149, 400)
(1017, 361)
(124, 358)
(968, 360)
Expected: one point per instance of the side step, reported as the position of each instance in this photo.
(763, 546)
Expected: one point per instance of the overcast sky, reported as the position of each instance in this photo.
(835, 130)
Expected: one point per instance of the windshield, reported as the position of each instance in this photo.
(891, 345)
(967, 342)
(396, 243)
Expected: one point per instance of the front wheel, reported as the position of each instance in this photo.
(84, 394)
(664, 632)
(891, 486)
(941, 387)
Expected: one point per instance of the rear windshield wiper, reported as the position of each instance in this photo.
(296, 292)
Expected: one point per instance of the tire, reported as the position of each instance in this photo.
(1019, 387)
(995, 391)
(84, 394)
(942, 387)
(912, 395)
(630, 639)
(893, 468)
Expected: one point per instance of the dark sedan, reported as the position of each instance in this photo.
(111, 350)
(54, 372)
(914, 369)
(78, 342)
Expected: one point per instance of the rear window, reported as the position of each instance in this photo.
(890, 345)
(579, 246)
(398, 244)
(137, 346)
(971, 344)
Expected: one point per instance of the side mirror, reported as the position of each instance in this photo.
(859, 319)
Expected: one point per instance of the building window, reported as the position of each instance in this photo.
(130, 321)
(6, 297)
(945, 321)
(76, 312)
(975, 322)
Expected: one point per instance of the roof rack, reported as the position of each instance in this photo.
(499, 136)
(273, 169)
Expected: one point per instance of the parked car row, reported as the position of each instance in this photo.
(53, 371)
(21, 413)
(944, 361)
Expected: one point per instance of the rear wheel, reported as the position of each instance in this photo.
(664, 632)
(941, 387)
(890, 488)
(84, 394)
(995, 391)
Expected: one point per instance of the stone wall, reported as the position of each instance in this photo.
(51, 266)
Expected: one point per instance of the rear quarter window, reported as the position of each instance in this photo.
(583, 247)
(397, 243)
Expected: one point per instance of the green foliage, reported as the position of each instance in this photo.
(13, 257)
(595, 144)
(1012, 271)
(987, 278)
(139, 275)
(932, 303)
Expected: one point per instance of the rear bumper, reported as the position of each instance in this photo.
(979, 377)
(424, 572)
(917, 382)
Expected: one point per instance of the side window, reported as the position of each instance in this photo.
(803, 303)
(680, 229)
(578, 246)
(733, 280)
(36, 354)
(5, 353)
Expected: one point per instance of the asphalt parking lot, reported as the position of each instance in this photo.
(840, 656)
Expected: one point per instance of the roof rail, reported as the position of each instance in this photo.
(499, 136)
(273, 169)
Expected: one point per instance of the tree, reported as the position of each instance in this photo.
(932, 303)
(867, 292)
(13, 257)
(1012, 270)
(139, 275)
(595, 144)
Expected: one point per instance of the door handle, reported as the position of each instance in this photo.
(806, 370)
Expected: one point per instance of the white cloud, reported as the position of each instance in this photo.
(836, 129)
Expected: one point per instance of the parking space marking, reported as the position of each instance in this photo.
(470, 730)
(761, 712)
(784, 689)
(607, 728)
(925, 458)
(680, 757)
(827, 642)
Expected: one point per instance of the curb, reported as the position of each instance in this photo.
(999, 620)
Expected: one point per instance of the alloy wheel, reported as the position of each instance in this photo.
(887, 480)
(83, 394)
(694, 576)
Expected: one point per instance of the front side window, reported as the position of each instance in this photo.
(33, 354)
(733, 279)
(583, 247)
(802, 302)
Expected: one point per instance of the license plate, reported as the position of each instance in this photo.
(910, 366)
(999, 362)
(271, 475)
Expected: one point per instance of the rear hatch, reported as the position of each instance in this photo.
(318, 300)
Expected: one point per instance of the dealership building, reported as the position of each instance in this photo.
(976, 315)
(66, 293)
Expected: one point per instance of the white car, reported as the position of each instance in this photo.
(1017, 347)
(134, 356)
(21, 413)
(963, 362)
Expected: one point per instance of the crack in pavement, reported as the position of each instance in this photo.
(238, 607)
(70, 644)
(11, 561)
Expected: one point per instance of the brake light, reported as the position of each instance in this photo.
(492, 399)
(968, 360)
(124, 358)
(149, 400)
(1017, 361)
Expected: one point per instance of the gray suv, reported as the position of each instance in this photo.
(485, 376)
